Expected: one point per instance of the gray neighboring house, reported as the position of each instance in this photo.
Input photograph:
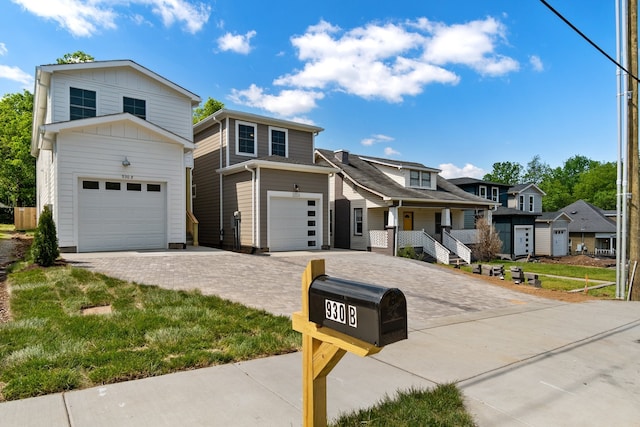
(590, 231)
(552, 234)
(383, 204)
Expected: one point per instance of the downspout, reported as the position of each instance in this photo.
(253, 206)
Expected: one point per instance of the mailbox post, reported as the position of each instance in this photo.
(339, 316)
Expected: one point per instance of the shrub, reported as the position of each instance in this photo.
(45, 242)
(489, 243)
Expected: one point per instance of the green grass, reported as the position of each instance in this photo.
(546, 271)
(441, 407)
(6, 230)
(50, 346)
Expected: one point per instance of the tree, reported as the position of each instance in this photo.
(75, 57)
(209, 107)
(536, 171)
(489, 243)
(598, 185)
(17, 166)
(45, 241)
(505, 173)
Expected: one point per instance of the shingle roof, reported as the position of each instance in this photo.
(504, 211)
(468, 180)
(588, 218)
(368, 176)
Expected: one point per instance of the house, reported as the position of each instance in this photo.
(372, 198)
(256, 186)
(590, 230)
(113, 144)
(523, 228)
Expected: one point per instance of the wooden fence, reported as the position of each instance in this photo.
(25, 218)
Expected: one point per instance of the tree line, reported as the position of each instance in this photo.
(579, 178)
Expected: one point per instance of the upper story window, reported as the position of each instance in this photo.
(82, 103)
(420, 179)
(278, 142)
(521, 202)
(137, 107)
(495, 194)
(483, 191)
(531, 204)
(246, 138)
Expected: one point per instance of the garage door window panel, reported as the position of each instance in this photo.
(134, 186)
(112, 186)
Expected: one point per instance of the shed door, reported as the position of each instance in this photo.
(560, 243)
(294, 224)
(523, 240)
(121, 215)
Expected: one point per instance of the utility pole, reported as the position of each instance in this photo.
(632, 148)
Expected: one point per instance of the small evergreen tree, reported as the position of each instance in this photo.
(45, 243)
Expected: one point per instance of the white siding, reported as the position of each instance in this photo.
(100, 155)
(164, 106)
(543, 239)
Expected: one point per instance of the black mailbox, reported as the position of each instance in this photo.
(373, 314)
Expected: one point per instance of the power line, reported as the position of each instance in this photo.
(574, 28)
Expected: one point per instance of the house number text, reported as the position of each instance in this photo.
(127, 176)
(341, 313)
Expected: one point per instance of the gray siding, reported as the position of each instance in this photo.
(206, 205)
(237, 197)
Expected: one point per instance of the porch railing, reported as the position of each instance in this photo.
(428, 244)
(605, 252)
(378, 238)
(192, 227)
(456, 246)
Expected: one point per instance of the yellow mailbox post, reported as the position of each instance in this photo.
(347, 316)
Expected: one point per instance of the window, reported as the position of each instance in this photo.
(531, 204)
(131, 186)
(82, 103)
(495, 194)
(112, 185)
(521, 203)
(137, 107)
(357, 221)
(483, 191)
(246, 138)
(90, 185)
(153, 188)
(420, 179)
(278, 142)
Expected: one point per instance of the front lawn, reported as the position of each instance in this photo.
(53, 342)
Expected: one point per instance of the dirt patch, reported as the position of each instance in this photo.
(103, 309)
(11, 250)
(582, 260)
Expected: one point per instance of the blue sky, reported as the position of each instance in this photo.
(456, 85)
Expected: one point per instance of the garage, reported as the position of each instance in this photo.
(523, 240)
(121, 215)
(294, 223)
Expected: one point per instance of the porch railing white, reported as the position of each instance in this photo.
(378, 238)
(605, 252)
(456, 246)
(467, 237)
(426, 242)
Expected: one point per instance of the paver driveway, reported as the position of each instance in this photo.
(273, 282)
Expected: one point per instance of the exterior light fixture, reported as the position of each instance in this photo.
(296, 188)
(126, 162)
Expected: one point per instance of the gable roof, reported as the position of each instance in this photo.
(241, 115)
(586, 218)
(362, 172)
(519, 188)
(553, 216)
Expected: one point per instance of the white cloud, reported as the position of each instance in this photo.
(84, 18)
(3, 49)
(536, 63)
(374, 139)
(449, 170)
(388, 151)
(16, 74)
(287, 103)
(236, 43)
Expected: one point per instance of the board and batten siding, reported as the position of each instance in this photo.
(164, 106)
(99, 153)
(544, 244)
(206, 205)
(280, 180)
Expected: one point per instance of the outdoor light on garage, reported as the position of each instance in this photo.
(296, 188)
(126, 162)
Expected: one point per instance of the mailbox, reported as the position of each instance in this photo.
(373, 314)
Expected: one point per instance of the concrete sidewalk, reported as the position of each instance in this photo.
(531, 365)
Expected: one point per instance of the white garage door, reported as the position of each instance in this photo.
(523, 241)
(560, 243)
(115, 215)
(294, 224)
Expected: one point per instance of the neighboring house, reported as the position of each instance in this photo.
(256, 186)
(590, 231)
(374, 197)
(523, 228)
(113, 142)
(552, 234)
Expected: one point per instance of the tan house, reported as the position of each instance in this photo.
(256, 186)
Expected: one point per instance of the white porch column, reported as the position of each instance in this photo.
(393, 217)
